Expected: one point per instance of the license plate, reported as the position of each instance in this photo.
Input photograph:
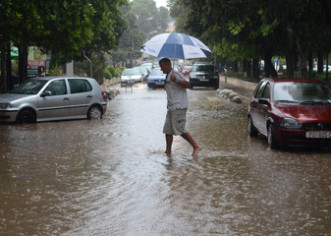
(318, 134)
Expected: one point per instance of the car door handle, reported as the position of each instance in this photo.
(66, 99)
(89, 96)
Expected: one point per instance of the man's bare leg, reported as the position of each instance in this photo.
(196, 147)
(169, 139)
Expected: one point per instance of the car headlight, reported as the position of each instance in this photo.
(289, 123)
(5, 105)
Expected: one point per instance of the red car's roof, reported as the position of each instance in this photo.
(306, 80)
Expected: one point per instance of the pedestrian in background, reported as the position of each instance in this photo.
(177, 103)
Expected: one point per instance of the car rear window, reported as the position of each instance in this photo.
(79, 86)
(57, 87)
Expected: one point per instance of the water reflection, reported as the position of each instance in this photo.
(111, 177)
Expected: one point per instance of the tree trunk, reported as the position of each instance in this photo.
(247, 68)
(268, 66)
(327, 69)
(290, 65)
(9, 69)
(320, 63)
(23, 62)
(302, 60)
(3, 84)
(256, 70)
(310, 65)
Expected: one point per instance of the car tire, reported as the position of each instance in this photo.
(272, 143)
(252, 131)
(26, 116)
(94, 113)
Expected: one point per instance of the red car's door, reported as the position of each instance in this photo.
(259, 107)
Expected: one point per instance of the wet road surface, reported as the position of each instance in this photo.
(111, 176)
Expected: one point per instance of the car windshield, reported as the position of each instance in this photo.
(131, 72)
(142, 69)
(156, 72)
(29, 87)
(300, 92)
(207, 68)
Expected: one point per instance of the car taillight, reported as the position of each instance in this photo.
(103, 95)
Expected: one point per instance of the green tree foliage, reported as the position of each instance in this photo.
(110, 72)
(59, 27)
(258, 29)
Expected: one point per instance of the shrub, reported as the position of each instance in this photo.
(110, 72)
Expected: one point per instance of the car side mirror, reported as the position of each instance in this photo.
(46, 93)
(264, 101)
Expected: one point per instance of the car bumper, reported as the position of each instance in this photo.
(204, 82)
(297, 137)
(155, 84)
(8, 116)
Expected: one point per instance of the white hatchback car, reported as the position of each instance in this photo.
(130, 76)
(53, 98)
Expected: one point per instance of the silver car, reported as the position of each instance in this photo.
(53, 98)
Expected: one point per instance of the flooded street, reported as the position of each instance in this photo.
(111, 176)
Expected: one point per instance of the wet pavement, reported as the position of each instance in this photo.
(111, 176)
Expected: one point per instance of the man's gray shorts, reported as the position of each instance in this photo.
(175, 122)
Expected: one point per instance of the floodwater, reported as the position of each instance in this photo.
(111, 176)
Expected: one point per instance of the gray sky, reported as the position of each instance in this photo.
(161, 3)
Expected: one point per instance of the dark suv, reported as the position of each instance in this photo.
(204, 75)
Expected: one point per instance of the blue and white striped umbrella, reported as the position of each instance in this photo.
(175, 45)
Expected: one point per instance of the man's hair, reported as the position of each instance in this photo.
(165, 61)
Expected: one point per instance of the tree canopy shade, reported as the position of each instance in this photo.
(150, 19)
(258, 29)
(144, 20)
(59, 27)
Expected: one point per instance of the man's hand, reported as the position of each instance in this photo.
(173, 78)
(182, 83)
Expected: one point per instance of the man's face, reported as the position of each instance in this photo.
(166, 68)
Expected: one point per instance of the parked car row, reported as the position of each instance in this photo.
(291, 112)
(53, 98)
(134, 75)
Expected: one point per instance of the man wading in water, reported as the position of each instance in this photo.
(175, 86)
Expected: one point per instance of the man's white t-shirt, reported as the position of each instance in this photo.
(176, 95)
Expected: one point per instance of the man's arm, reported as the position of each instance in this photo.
(180, 82)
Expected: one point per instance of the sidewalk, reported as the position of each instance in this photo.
(244, 88)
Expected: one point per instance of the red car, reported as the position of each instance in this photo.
(291, 112)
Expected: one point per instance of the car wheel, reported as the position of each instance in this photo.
(252, 131)
(26, 116)
(94, 113)
(272, 143)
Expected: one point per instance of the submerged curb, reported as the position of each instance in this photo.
(235, 90)
(230, 95)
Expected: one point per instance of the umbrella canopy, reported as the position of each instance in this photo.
(175, 45)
